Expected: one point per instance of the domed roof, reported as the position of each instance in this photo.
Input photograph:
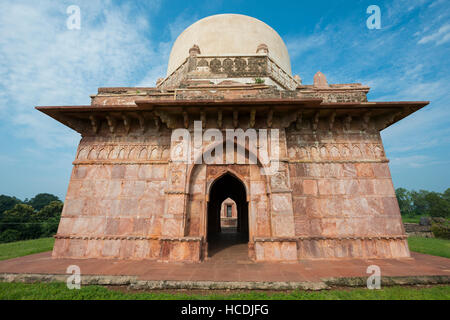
(228, 34)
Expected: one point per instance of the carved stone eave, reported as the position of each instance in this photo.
(270, 118)
(219, 119)
(298, 121)
(71, 122)
(126, 122)
(122, 119)
(94, 123)
(315, 121)
(347, 121)
(235, 118)
(142, 121)
(252, 118)
(112, 122)
(185, 119)
(331, 120)
(365, 121)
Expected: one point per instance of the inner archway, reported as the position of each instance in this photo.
(226, 243)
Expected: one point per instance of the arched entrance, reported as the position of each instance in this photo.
(230, 244)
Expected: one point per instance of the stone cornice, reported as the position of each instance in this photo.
(273, 113)
(117, 162)
(306, 238)
(111, 237)
(340, 161)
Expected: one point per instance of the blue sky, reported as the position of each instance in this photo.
(127, 43)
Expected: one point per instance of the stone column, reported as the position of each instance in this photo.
(282, 213)
(174, 212)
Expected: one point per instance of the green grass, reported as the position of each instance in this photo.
(59, 291)
(26, 247)
(410, 219)
(433, 246)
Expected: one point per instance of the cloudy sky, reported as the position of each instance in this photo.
(127, 43)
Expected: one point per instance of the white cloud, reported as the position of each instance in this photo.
(300, 45)
(44, 63)
(441, 36)
(415, 161)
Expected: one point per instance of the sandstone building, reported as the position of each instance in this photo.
(228, 214)
(331, 198)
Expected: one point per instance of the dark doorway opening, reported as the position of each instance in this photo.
(227, 243)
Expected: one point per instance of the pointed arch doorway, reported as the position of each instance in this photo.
(223, 243)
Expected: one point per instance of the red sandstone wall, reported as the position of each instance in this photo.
(343, 198)
(114, 202)
(332, 198)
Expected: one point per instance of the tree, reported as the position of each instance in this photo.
(404, 201)
(52, 210)
(420, 204)
(7, 202)
(50, 216)
(9, 236)
(446, 194)
(438, 206)
(21, 218)
(41, 200)
(24, 222)
(424, 203)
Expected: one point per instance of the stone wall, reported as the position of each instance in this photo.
(115, 200)
(343, 198)
(331, 198)
(415, 229)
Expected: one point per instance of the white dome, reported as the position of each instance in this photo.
(228, 34)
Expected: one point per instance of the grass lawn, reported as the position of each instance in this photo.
(26, 247)
(410, 219)
(59, 291)
(433, 246)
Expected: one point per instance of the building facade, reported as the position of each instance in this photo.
(228, 214)
(137, 193)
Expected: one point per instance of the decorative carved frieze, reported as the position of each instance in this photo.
(123, 152)
(245, 66)
(306, 238)
(345, 151)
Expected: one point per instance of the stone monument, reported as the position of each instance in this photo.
(331, 196)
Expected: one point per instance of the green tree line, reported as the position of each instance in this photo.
(29, 219)
(423, 203)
